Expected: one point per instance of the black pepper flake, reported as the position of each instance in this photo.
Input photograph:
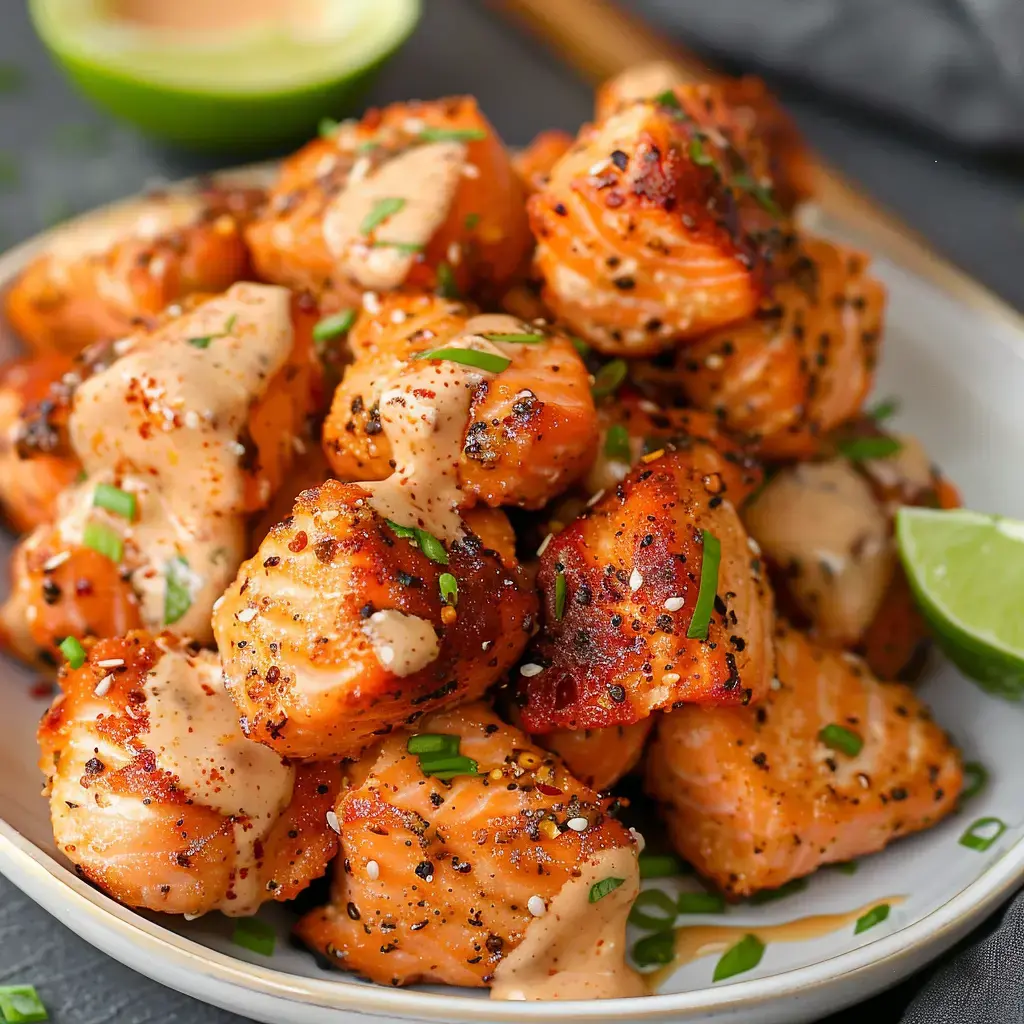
(425, 870)
(270, 562)
(353, 911)
(94, 766)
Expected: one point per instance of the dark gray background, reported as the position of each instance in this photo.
(58, 156)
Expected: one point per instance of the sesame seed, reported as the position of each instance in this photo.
(486, 645)
(673, 604)
(235, 447)
(636, 580)
(110, 663)
(471, 171)
(59, 559)
(638, 839)
(329, 515)
(714, 361)
(670, 678)
(776, 684)
(371, 303)
(544, 544)
(595, 498)
(191, 419)
(601, 165)
(247, 615)
(332, 822)
(372, 870)
(218, 602)
(578, 824)
(103, 685)
(398, 316)
(530, 669)
(753, 545)
(536, 906)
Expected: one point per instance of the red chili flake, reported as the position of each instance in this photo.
(42, 689)
(548, 790)
(298, 542)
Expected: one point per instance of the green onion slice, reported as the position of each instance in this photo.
(659, 948)
(177, 592)
(701, 621)
(333, 325)
(616, 444)
(608, 379)
(884, 409)
(668, 99)
(838, 737)
(73, 651)
(660, 865)
(433, 743)
(744, 956)
(447, 287)
(405, 532)
(452, 135)
(653, 899)
(449, 588)
(327, 127)
(860, 449)
(581, 346)
(700, 903)
(761, 195)
(977, 775)
(20, 1004)
(560, 594)
(980, 835)
(380, 211)
(446, 768)
(469, 357)
(203, 342)
(876, 915)
(113, 499)
(516, 339)
(103, 539)
(599, 890)
(251, 933)
(406, 247)
(793, 886)
(431, 547)
(698, 154)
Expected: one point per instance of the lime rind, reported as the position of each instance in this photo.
(966, 570)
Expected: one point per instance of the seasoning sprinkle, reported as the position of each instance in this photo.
(636, 580)
(536, 906)
(246, 615)
(103, 685)
(530, 669)
(673, 604)
(578, 824)
(110, 663)
(333, 823)
(544, 544)
(372, 870)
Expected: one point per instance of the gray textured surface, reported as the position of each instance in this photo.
(974, 213)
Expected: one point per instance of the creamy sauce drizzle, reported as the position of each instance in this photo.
(426, 178)
(696, 941)
(577, 949)
(402, 643)
(193, 730)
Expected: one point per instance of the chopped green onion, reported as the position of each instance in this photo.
(20, 1004)
(599, 890)
(177, 593)
(449, 588)
(744, 956)
(446, 768)
(876, 915)
(327, 127)
(581, 346)
(846, 867)
(469, 357)
(660, 865)
(560, 595)
(659, 948)
(761, 195)
(446, 285)
(433, 743)
(616, 443)
(972, 838)
(653, 899)
(471, 221)
(380, 211)
(452, 135)
(333, 325)
(103, 539)
(698, 154)
(700, 623)
(978, 776)
(203, 342)
(837, 737)
(516, 339)
(431, 547)
(668, 99)
(258, 936)
(700, 903)
(794, 885)
(609, 377)
(406, 247)
(884, 409)
(860, 449)
(113, 499)
(405, 532)
(73, 651)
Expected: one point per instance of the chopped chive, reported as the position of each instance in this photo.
(405, 532)
(701, 621)
(653, 899)
(73, 651)
(258, 936)
(448, 766)
(599, 890)
(333, 325)
(790, 888)
(103, 539)
(471, 221)
(452, 135)
(380, 211)
(978, 776)
(616, 443)
(516, 339)
(660, 865)
(177, 592)
(449, 588)
(744, 956)
(487, 361)
(659, 948)
(758, 192)
(838, 737)
(201, 342)
(229, 324)
(433, 743)
(876, 915)
(608, 379)
(561, 589)
(327, 127)
(406, 247)
(20, 1004)
(431, 547)
(698, 154)
(668, 99)
(884, 409)
(860, 449)
(975, 839)
(846, 867)
(113, 499)
(700, 903)
(446, 285)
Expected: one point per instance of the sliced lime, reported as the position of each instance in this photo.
(224, 83)
(967, 572)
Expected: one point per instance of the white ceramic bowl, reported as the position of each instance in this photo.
(957, 364)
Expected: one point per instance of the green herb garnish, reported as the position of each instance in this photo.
(744, 956)
(659, 948)
(20, 1004)
(487, 361)
(113, 499)
(660, 865)
(258, 936)
(698, 154)
(428, 543)
(405, 532)
(452, 135)
(616, 444)
(884, 409)
(331, 326)
(975, 839)
(73, 651)
(700, 623)
(380, 211)
(846, 867)
(177, 590)
(761, 195)
(515, 339)
(327, 127)
(471, 221)
(978, 778)
(838, 737)
(446, 286)
(700, 903)
(446, 768)
(860, 449)
(599, 890)
(204, 341)
(103, 539)
(608, 379)
(876, 915)
(790, 888)
(653, 899)
(449, 586)
(560, 594)
(668, 99)
(433, 743)
(12, 78)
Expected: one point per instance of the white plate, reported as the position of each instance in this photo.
(958, 366)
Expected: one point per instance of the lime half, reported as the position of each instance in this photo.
(967, 572)
(224, 74)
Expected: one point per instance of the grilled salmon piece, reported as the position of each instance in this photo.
(158, 799)
(613, 647)
(652, 230)
(417, 195)
(753, 797)
(336, 631)
(803, 364)
(533, 164)
(35, 466)
(600, 757)
(526, 432)
(442, 881)
(103, 272)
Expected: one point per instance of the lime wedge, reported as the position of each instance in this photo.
(215, 74)
(967, 572)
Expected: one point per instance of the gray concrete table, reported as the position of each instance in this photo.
(58, 156)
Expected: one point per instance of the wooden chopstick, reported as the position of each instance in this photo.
(600, 39)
